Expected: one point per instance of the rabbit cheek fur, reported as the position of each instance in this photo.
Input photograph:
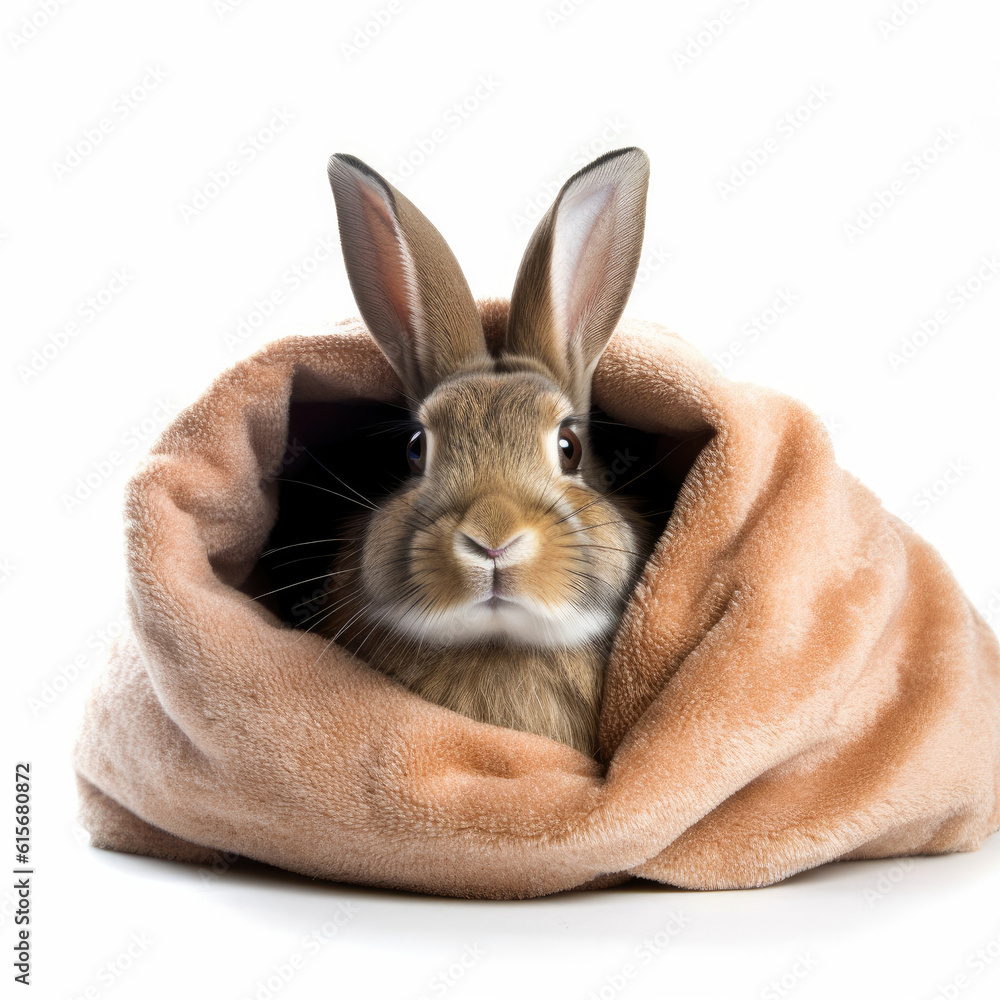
(493, 580)
(519, 640)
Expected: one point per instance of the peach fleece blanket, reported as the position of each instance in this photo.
(798, 678)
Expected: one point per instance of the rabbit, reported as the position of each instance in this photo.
(493, 580)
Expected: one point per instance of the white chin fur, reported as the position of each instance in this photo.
(566, 627)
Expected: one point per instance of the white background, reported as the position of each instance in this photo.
(553, 91)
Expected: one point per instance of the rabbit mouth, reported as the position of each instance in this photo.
(499, 572)
(513, 621)
(496, 601)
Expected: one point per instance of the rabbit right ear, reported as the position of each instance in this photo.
(408, 286)
(577, 272)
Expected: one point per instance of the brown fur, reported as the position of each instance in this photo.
(488, 423)
(491, 384)
(554, 693)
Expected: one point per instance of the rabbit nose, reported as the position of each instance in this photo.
(513, 549)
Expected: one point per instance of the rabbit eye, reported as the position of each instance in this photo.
(415, 452)
(570, 449)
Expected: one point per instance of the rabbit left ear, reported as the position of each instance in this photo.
(409, 288)
(578, 270)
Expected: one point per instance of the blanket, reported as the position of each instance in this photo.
(797, 678)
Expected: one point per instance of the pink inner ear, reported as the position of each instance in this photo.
(581, 248)
(389, 274)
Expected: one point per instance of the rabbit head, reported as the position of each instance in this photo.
(505, 531)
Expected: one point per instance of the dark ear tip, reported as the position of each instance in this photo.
(639, 157)
(626, 168)
(633, 152)
(628, 158)
(341, 165)
(333, 165)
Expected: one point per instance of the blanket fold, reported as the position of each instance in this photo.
(797, 678)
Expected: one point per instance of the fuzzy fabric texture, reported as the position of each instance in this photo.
(798, 678)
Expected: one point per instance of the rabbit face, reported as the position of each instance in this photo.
(503, 534)
(496, 533)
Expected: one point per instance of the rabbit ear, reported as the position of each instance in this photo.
(408, 286)
(577, 272)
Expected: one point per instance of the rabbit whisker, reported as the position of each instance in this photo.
(357, 648)
(298, 583)
(301, 482)
(610, 548)
(328, 613)
(326, 607)
(416, 510)
(293, 545)
(627, 483)
(352, 619)
(591, 527)
(334, 639)
(335, 476)
(291, 562)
